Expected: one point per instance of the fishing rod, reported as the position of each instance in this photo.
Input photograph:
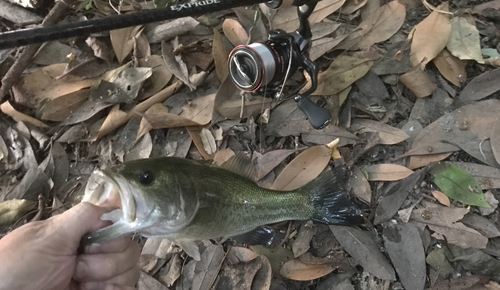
(262, 67)
(22, 37)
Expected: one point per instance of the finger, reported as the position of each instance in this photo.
(104, 266)
(80, 219)
(119, 287)
(114, 246)
(122, 281)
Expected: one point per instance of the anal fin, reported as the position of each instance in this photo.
(263, 235)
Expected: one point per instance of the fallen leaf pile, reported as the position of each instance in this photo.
(413, 89)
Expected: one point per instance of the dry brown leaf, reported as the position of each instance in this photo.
(323, 29)
(287, 19)
(451, 67)
(300, 271)
(198, 112)
(304, 168)
(492, 285)
(220, 56)
(424, 160)
(341, 73)
(411, 3)
(8, 110)
(143, 49)
(267, 162)
(493, 61)
(140, 108)
(175, 63)
(302, 241)
(232, 109)
(240, 254)
(324, 9)
(276, 256)
(323, 45)
(387, 135)
(147, 282)
(495, 140)
(253, 24)
(12, 210)
(223, 156)
(208, 141)
(444, 221)
(386, 172)
(123, 41)
(430, 37)
(352, 6)
(144, 128)
(194, 132)
(419, 83)
(158, 80)
(495, 4)
(379, 26)
(141, 150)
(480, 87)
(114, 120)
(359, 185)
(44, 84)
(464, 41)
(60, 108)
(361, 246)
(467, 128)
(235, 32)
(441, 197)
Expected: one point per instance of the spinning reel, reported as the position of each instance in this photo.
(261, 67)
(264, 67)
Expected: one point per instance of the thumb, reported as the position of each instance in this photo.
(81, 219)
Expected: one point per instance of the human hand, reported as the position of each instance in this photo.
(43, 255)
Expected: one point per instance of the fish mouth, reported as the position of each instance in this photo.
(108, 189)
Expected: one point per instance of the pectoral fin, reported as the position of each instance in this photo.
(190, 247)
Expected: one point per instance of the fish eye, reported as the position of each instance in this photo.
(146, 177)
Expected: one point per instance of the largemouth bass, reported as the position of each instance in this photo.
(186, 200)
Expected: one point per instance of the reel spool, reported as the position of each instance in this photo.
(266, 66)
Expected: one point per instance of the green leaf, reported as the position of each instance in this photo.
(458, 184)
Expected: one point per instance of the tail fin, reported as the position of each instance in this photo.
(330, 201)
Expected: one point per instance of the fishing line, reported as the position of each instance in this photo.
(280, 96)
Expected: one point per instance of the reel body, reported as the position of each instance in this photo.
(262, 64)
(264, 67)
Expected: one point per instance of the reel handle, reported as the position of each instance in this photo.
(318, 117)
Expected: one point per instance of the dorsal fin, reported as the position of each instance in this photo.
(241, 165)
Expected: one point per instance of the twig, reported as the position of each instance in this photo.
(481, 149)
(41, 208)
(25, 58)
(432, 8)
